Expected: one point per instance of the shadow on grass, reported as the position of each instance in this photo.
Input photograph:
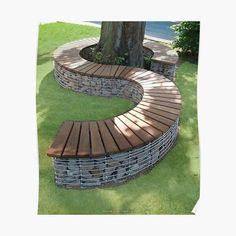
(44, 58)
(183, 57)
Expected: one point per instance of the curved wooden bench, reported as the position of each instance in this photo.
(93, 153)
(163, 61)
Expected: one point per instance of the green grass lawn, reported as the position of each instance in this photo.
(172, 187)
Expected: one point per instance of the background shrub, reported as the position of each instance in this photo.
(187, 36)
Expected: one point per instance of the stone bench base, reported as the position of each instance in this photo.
(98, 86)
(113, 169)
(165, 69)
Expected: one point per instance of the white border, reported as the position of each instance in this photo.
(216, 111)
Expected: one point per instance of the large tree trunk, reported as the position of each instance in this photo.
(122, 39)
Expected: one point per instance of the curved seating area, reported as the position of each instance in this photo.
(164, 59)
(94, 153)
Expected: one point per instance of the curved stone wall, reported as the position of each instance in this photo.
(163, 68)
(112, 169)
(98, 86)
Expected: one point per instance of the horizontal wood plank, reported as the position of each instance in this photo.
(158, 98)
(106, 71)
(162, 95)
(93, 69)
(84, 142)
(154, 116)
(99, 71)
(118, 136)
(151, 129)
(138, 130)
(113, 70)
(163, 108)
(96, 140)
(149, 120)
(72, 143)
(58, 145)
(83, 71)
(167, 104)
(128, 133)
(158, 111)
(119, 71)
(109, 142)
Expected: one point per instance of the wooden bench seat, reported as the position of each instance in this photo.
(164, 58)
(154, 114)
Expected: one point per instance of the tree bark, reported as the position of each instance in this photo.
(122, 39)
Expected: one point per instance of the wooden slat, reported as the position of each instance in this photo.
(84, 142)
(161, 91)
(157, 85)
(167, 104)
(93, 70)
(158, 112)
(163, 108)
(74, 64)
(154, 116)
(150, 121)
(79, 63)
(149, 79)
(162, 95)
(84, 70)
(169, 100)
(165, 90)
(152, 130)
(106, 71)
(139, 75)
(131, 72)
(108, 141)
(118, 136)
(113, 70)
(128, 133)
(119, 70)
(138, 130)
(149, 75)
(125, 72)
(97, 148)
(154, 80)
(99, 71)
(72, 143)
(135, 75)
(157, 88)
(83, 65)
(58, 145)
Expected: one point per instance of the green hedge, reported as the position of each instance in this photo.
(187, 36)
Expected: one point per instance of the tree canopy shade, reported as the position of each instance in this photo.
(121, 41)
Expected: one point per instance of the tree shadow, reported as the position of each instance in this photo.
(44, 58)
(183, 57)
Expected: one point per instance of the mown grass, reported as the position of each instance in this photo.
(172, 187)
